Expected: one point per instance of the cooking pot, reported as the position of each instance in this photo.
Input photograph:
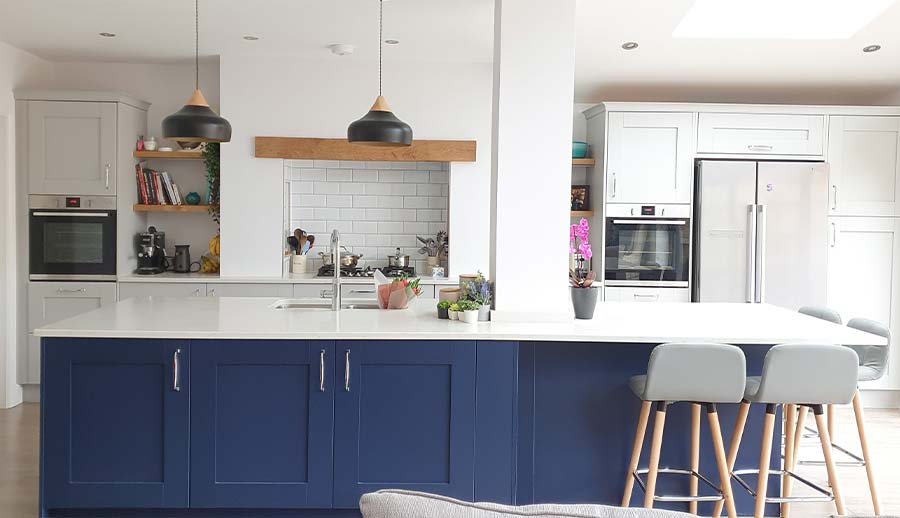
(348, 259)
(397, 260)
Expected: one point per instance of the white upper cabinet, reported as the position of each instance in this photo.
(761, 134)
(72, 148)
(650, 157)
(863, 155)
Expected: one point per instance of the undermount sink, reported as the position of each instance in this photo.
(315, 304)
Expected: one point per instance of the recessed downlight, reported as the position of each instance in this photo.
(630, 45)
(108, 34)
(250, 37)
(871, 48)
(391, 42)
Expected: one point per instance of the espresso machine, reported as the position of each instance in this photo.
(151, 252)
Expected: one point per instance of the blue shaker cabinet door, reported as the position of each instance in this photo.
(261, 424)
(404, 418)
(115, 423)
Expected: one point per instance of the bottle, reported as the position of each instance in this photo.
(140, 143)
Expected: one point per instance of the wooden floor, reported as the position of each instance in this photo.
(19, 464)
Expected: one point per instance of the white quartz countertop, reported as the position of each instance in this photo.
(253, 318)
(294, 278)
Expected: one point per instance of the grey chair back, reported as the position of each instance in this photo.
(701, 372)
(873, 359)
(808, 373)
(822, 313)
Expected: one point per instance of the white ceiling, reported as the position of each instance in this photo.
(662, 68)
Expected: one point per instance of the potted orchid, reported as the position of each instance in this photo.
(584, 293)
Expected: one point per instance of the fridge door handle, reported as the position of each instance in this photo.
(751, 253)
(761, 254)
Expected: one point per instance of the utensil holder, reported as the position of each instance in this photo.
(298, 264)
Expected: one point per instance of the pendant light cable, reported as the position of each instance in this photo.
(380, 41)
(197, 44)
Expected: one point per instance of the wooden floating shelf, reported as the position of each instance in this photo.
(177, 155)
(340, 149)
(583, 161)
(170, 208)
(582, 213)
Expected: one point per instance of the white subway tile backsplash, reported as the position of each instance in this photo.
(312, 175)
(365, 175)
(339, 200)
(377, 206)
(365, 201)
(339, 175)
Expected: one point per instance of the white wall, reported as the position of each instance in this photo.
(17, 69)
(283, 96)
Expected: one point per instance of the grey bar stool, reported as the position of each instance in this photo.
(808, 375)
(834, 317)
(698, 373)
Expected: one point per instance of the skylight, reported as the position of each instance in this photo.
(779, 19)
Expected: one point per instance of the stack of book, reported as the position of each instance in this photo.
(156, 187)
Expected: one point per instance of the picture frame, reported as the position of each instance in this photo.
(581, 197)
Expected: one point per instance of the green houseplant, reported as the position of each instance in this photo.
(469, 311)
(443, 309)
(453, 311)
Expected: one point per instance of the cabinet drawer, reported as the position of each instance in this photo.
(248, 290)
(620, 294)
(50, 302)
(312, 290)
(358, 291)
(161, 289)
(762, 134)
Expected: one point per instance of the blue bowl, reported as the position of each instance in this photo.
(579, 149)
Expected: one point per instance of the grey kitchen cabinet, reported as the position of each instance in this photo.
(49, 302)
(248, 290)
(864, 160)
(129, 290)
(761, 134)
(72, 147)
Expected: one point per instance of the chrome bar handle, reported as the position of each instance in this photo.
(67, 290)
(833, 197)
(751, 253)
(761, 255)
(176, 375)
(613, 194)
(322, 370)
(759, 147)
(833, 234)
(107, 177)
(347, 370)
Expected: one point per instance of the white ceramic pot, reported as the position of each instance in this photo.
(298, 264)
(454, 315)
(469, 317)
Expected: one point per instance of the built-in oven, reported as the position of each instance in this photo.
(648, 245)
(72, 238)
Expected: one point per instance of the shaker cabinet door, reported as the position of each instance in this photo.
(115, 423)
(404, 418)
(650, 158)
(261, 424)
(71, 148)
(864, 160)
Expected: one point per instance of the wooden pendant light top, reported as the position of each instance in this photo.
(197, 99)
(380, 105)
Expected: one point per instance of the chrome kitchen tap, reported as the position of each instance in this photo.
(336, 262)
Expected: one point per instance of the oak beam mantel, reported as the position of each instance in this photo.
(340, 149)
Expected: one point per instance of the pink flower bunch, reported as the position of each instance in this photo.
(578, 239)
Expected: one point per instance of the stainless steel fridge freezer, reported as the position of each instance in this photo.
(761, 232)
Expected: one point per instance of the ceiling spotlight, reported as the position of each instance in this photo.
(871, 48)
(630, 45)
(108, 34)
(392, 42)
(251, 37)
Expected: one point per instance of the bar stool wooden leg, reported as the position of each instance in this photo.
(659, 423)
(762, 485)
(719, 447)
(830, 414)
(798, 432)
(736, 437)
(825, 439)
(790, 416)
(636, 451)
(695, 453)
(864, 443)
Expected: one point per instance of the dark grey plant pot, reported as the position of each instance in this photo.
(443, 313)
(484, 313)
(584, 300)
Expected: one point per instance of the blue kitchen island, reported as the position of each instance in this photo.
(228, 407)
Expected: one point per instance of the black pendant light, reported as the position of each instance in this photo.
(380, 127)
(196, 122)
